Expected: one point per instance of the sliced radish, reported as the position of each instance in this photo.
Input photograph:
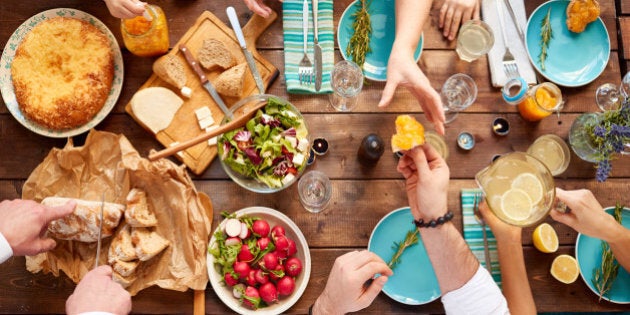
(233, 227)
(238, 290)
(244, 231)
(231, 241)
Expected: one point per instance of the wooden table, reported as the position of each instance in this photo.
(361, 197)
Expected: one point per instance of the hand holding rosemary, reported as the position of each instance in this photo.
(545, 37)
(410, 240)
(604, 276)
(359, 44)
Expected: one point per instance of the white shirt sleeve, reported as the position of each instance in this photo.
(5, 249)
(480, 295)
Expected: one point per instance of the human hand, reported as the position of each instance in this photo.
(97, 292)
(24, 222)
(125, 9)
(426, 176)
(456, 12)
(586, 216)
(403, 70)
(345, 291)
(258, 7)
(501, 230)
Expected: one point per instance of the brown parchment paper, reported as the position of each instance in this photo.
(109, 164)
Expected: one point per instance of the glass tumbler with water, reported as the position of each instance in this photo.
(475, 38)
(315, 191)
(347, 82)
(458, 93)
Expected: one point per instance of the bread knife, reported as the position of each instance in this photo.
(317, 50)
(204, 81)
(236, 26)
(100, 232)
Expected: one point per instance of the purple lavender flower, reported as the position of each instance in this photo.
(600, 131)
(603, 170)
(619, 131)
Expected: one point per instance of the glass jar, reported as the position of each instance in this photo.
(541, 101)
(580, 140)
(144, 37)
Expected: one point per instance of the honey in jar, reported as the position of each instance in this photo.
(146, 35)
(540, 101)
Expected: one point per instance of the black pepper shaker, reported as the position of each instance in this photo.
(371, 148)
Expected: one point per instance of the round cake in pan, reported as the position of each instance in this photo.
(62, 73)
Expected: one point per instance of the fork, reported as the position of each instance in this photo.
(305, 68)
(482, 223)
(509, 63)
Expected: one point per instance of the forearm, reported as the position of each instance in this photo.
(620, 245)
(514, 278)
(410, 18)
(453, 262)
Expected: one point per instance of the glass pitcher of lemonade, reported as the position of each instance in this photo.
(519, 188)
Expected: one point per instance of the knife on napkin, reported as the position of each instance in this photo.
(317, 50)
(100, 232)
(236, 26)
(204, 80)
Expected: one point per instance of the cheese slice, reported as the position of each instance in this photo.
(155, 107)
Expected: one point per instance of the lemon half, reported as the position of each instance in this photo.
(545, 238)
(565, 269)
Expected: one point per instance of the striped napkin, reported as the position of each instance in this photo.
(294, 45)
(490, 8)
(474, 236)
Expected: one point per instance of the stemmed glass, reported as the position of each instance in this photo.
(608, 97)
(458, 92)
(624, 88)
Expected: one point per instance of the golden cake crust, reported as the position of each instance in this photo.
(62, 73)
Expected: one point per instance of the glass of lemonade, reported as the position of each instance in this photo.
(475, 38)
(552, 151)
(519, 188)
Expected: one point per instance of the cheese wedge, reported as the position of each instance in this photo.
(155, 107)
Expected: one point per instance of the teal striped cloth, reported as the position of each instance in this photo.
(294, 45)
(474, 237)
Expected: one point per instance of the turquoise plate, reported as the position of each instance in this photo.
(573, 59)
(414, 280)
(383, 21)
(588, 251)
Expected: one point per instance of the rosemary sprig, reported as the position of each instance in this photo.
(359, 44)
(410, 240)
(545, 37)
(604, 276)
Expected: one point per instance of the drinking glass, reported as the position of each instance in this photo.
(347, 81)
(458, 92)
(475, 38)
(608, 97)
(315, 191)
(552, 151)
(625, 86)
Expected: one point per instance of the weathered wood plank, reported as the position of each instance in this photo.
(624, 30)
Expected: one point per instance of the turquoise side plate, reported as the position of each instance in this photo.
(573, 59)
(588, 251)
(383, 21)
(414, 281)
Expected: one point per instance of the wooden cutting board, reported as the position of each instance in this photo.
(184, 125)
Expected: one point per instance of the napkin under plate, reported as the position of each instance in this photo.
(294, 44)
(474, 237)
(490, 12)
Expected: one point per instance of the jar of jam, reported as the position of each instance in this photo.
(541, 101)
(146, 35)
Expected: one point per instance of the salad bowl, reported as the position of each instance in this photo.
(270, 152)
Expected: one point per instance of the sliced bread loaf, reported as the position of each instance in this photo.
(138, 212)
(213, 54)
(147, 243)
(230, 82)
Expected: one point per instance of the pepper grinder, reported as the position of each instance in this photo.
(371, 149)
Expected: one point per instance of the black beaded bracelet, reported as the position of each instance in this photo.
(435, 222)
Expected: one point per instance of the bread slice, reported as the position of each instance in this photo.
(230, 82)
(83, 223)
(121, 247)
(125, 268)
(213, 54)
(155, 107)
(147, 243)
(170, 69)
(125, 282)
(138, 212)
(580, 13)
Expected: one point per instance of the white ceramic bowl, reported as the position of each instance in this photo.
(291, 231)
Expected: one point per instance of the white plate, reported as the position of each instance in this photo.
(292, 231)
(6, 82)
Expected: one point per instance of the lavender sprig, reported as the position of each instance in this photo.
(610, 135)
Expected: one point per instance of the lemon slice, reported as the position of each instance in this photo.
(516, 204)
(565, 269)
(531, 185)
(545, 238)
